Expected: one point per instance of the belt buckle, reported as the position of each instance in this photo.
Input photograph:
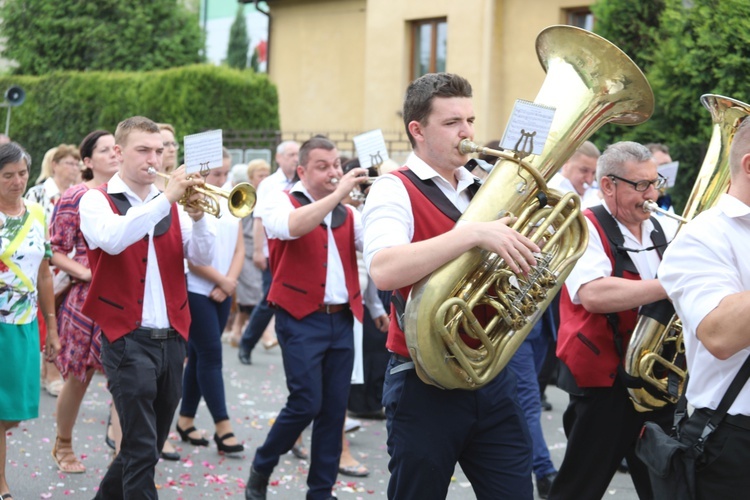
(328, 308)
(159, 333)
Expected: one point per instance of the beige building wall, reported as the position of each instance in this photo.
(343, 65)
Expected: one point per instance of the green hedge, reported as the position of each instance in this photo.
(63, 107)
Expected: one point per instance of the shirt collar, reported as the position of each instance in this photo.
(732, 207)
(117, 185)
(424, 172)
(50, 187)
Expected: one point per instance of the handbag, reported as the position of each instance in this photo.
(672, 458)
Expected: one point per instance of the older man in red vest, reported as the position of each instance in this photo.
(312, 240)
(137, 241)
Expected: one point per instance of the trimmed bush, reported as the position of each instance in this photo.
(63, 107)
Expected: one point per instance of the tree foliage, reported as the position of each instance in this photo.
(43, 36)
(238, 41)
(698, 47)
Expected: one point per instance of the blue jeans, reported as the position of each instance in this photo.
(526, 363)
(259, 318)
(203, 376)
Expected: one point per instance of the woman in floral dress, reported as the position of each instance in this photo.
(79, 336)
(25, 282)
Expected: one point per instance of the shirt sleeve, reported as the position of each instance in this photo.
(592, 265)
(699, 271)
(198, 239)
(277, 209)
(388, 219)
(112, 232)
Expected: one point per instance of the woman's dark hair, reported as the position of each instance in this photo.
(87, 149)
(12, 152)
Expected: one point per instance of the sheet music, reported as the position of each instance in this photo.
(203, 151)
(669, 171)
(371, 148)
(528, 127)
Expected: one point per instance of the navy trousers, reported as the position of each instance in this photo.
(259, 318)
(432, 429)
(318, 354)
(145, 379)
(203, 376)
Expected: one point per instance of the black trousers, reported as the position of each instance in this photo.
(723, 474)
(602, 426)
(145, 379)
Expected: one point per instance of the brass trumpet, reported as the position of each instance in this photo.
(240, 200)
(336, 180)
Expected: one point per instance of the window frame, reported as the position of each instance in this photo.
(416, 25)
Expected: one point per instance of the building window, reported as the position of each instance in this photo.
(429, 42)
(580, 17)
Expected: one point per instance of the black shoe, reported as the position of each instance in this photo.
(256, 487)
(623, 467)
(172, 456)
(227, 448)
(185, 436)
(244, 357)
(544, 484)
(546, 405)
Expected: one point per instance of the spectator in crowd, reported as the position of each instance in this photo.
(26, 284)
(210, 291)
(80, 337)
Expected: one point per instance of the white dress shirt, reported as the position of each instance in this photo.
(590, 197)
(113, 233)
(595, 263)
(274, 183)
(707, 262)
(278, 208)
(388, 216)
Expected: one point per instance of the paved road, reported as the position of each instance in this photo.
(254, 394)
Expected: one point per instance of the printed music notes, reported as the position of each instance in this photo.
(203, 152)
(371, 149)
(528, 128)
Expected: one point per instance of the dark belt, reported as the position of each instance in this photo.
(742, 421)
(332, 308)
(157, 333)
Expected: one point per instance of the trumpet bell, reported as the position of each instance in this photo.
(241, 200)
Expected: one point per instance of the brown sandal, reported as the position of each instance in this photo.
(65, 458)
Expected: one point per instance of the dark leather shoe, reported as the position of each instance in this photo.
(299, 451)
(172, 456)
(257, 485)
(244, 357)
(546, 405)
(544, 484)
(227, 448)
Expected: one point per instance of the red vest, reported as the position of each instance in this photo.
(585, 341)
(115, 297)
(299, 268)
(429, 222)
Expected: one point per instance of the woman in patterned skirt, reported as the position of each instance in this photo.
(25, 281)
(79, 336)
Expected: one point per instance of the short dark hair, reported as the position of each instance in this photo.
(315, 142)
(140, 123)
(87, 149)
(12, 152)
(421, 92)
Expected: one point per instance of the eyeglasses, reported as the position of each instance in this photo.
(175, 145)
(69, 163)
(642, 186)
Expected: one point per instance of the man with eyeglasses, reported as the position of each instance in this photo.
(598, 311)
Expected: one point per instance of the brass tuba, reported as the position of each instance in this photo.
(656, 353)
(589, 82)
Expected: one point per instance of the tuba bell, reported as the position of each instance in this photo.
(451, 340)
(656, 353)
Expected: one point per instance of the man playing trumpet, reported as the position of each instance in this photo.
(137, 240)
